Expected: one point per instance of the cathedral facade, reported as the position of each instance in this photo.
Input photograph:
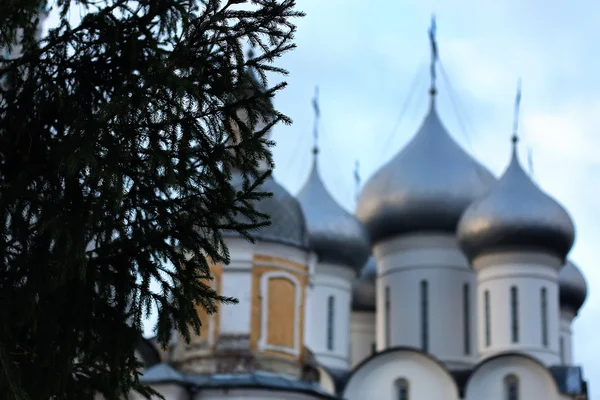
(447, 283)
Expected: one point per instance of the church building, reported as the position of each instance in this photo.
(447, 283)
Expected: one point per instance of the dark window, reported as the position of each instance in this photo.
(488, 330)
(330, 321)
(424, 316)
(512, 387)
(466, 319)
(402, 389)
(544, 311)
(514, 311)
(373, 348)
(388, 323)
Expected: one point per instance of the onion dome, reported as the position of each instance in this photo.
(572, 287)
(288, 225)
(334, 234)
(516, 215)
(363, 290)
(424, 188)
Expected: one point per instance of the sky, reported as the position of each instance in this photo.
(370, 61)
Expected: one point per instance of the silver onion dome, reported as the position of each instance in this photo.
(363, 289)
(335, 235)
(425, 187)
(288, 225)
(572, 287)
(516, 215)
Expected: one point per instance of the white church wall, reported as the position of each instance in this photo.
(529, 274)
(489, 380)
(565, 345)
(250, 394)
(362, 336)
(404, 265)
(236, 281)
(335, 282)
(378, 378)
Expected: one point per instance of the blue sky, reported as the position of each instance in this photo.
(368, 56)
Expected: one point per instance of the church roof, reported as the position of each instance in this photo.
(163, 373)
(334, 234)
(288, 225)
(516, 215)
(424, 188)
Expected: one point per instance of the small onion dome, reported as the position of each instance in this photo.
(363, 290)
(424, 188)
(515, 215)
(335, 235)
(288, 225)
(572, 287)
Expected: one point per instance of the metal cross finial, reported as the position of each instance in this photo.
(356, 178)
(317, 111)
(434, 56)
(515, 137)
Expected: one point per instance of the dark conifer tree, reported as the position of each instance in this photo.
(115, 164)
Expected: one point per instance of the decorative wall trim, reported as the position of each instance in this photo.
(264, 290)
(275, 264)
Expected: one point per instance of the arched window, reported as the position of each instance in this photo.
(514, 312)
(466, 319)
(488, 330)
(511, 387)
(388, 323)
(402, 389)
(544, 312)
(330, 321)
(424, 316)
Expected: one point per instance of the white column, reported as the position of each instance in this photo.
(431, 304)
(514, 314)
(329, 317)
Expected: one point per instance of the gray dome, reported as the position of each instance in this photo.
(363, 290)
(288, 225)
(334, 234)
(425, 187)
(572, 287)
(516, 215)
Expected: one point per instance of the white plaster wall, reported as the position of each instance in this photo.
(535, 382)
(236, 282)
(336, 281)
(377, 378)
(237, 279)
(529, 276)
(566, 333)
(250, 394)
(402, 264)
(362, 336)
(170, 391)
